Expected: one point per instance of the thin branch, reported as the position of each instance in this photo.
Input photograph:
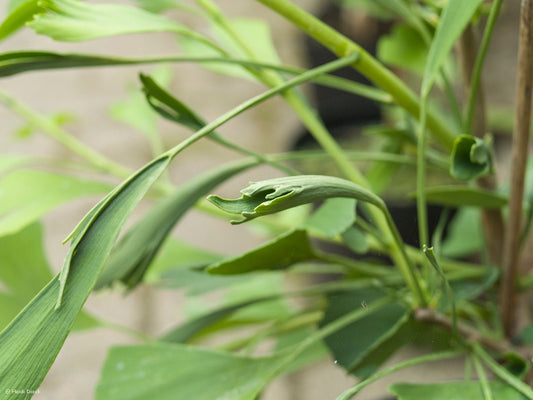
(467, 332)
(509, 291)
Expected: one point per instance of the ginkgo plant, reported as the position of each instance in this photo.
(459, 290)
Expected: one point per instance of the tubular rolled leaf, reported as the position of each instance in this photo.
(278, 194)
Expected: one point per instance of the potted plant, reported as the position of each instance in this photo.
(454, 296)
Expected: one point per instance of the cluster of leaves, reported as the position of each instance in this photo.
(359, 308)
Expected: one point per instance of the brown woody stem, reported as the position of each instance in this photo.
(511, 255)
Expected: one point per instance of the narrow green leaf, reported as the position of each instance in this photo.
(453, 391)
(195, 327)
(31, 342)
(458, 196)
(24, 271)
(471, 158)
(333, 217)
(274, 195)
(19, 13)
(278, 253)
(454, 20)
(132, 256)
(158, 6)
(135, 112)
(71, 20)
(177, 371)
(26, 195)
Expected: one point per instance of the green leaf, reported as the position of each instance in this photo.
(132, 256)
(278, 194)
(31, 342)
(403, 48)
(179, 371)
(471, 158)
(135, 112)
(72, 21)
(20, 12)
(454, 20)
(355, 239)
(255, 34)
(13, 161)
(279, 253)
(364, 345)
(157, 6)
(24, 271)
(458, 196)
(333, 217)
(169, 107)
(27, 195)
(453, 391)
(465, 235)
(176, 257)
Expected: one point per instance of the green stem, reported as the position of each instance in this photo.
(483, 381)
(348, 394)
(480, 61)
(421, 206)
(52, 129)
(501, 372)
(366, 64)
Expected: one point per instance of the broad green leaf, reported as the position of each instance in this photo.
(279, 253)
(403, 48)
(355, 239)
(72, 21)
(26, 195)
(278, 194)
(176, 257)
(178, 371)
(333, 217)
(132, 256)
(457, 196)
(20, 12)
(364, 345)
(31, 342)
(453, 391)
(465, 235)
(24, 271)
(471, 158)
(454, 20)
